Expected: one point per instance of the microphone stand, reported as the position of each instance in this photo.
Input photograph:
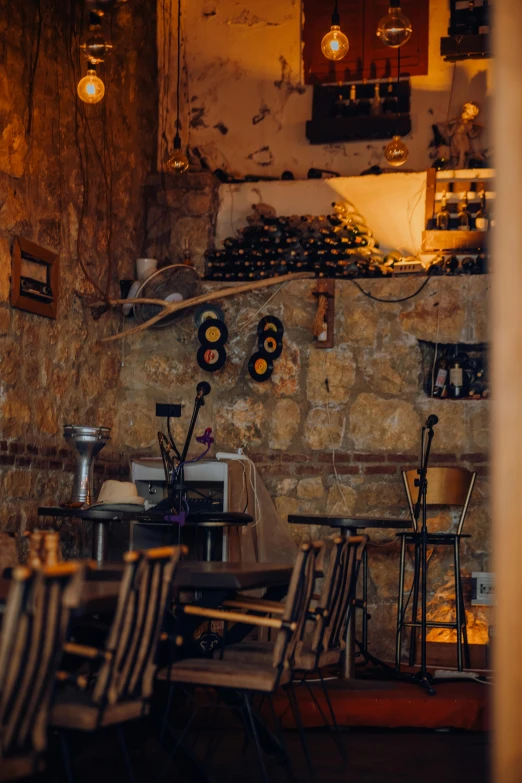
(423, 677)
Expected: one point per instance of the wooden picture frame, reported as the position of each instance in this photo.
(34, 278)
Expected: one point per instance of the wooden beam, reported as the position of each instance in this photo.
(506, 325)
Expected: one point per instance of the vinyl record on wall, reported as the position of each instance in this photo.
(213, 333)
(208, 312)
(211, 359)
(270, 346)
(260, 367)
(272, 325)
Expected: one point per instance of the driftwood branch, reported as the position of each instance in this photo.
(173, 307)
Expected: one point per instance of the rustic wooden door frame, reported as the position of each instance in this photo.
(506, 331)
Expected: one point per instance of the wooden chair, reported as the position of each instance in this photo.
(33, 633)
(8, 552)
(120, 688)
(446, 487)
(253, 676)
(329, 618)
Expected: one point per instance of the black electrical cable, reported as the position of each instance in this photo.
(179, 66)
(391, 301)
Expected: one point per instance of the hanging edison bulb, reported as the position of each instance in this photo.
(394, 29)
(396, 152)
(91, 89)
(335, 44)
(177, 163)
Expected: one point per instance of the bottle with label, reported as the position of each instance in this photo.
(365, 105)
(389, 104)
(440, 384)
(443, 216)
(456, 376)
(351, 108)
(464, 216)
(471, 24)
(376, 109)
(482, 217)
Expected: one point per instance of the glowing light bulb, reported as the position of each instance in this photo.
(396, 152)
(177, 163)
(91, 89)
(335, 44)
(394, 29)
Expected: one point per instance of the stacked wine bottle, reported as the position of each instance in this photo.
(335, 245)
(459, 374)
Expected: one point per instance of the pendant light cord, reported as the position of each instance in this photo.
(179, 65)
(398, 90)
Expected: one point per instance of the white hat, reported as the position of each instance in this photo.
(117, 493)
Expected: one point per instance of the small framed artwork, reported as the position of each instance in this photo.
(34, 278)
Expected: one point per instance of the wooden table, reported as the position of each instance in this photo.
(101, 587)
(101, 516)
(350, 526)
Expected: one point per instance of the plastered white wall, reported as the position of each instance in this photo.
(244, 105)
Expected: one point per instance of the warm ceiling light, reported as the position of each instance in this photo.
(91, 89)
(394, 29)
(177, 163)
(335, 44)
(396, 152)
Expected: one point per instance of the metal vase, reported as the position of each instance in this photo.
(88, 442)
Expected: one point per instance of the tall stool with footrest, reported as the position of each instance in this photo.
(447, 486)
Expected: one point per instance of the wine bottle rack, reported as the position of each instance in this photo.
(475, 368)
(455, 183)
(328, 125)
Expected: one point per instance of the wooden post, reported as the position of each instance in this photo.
(507, 393)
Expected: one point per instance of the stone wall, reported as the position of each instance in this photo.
(64, 168)
(371, 415)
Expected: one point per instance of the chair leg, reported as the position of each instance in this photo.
(125, 753)
(290, 690)
(415, 605)
(467, 657)
(337, 738)
(167, 711)
(66, 758)
(400, 604)
(458, 603)
(253, 729)
(364, 648)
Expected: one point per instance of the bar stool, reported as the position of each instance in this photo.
(446, 487)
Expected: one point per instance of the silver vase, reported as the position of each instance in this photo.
(88, 442)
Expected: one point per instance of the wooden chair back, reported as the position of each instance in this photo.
(8, 552)
(297, 605)
(337, 594)
(34, 630)
(128, 671)
(446, 487)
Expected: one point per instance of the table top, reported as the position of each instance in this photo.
(354, 523)
(101, 514)
(101, 588)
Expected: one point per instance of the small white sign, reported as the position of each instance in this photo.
(483, 588)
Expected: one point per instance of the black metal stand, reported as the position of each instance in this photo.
(422, 677)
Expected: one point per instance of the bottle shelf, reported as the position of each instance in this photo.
(473, 365)
(433, 240)
(465, 47)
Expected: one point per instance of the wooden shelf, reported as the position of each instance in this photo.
(453, 240)
(336, 129)
(465, 47)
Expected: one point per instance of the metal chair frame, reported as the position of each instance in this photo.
(453, 486)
